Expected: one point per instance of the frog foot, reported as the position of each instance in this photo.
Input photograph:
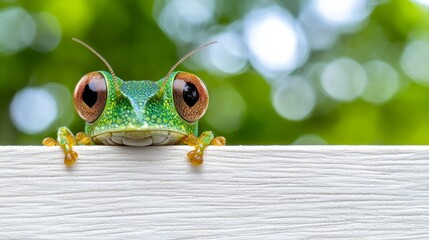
(66, 140)
(206, 138)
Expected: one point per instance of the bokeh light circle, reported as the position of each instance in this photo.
(310, 139)
(185, 20)
(414, 61)
(344, 13)
(343, 79)
(382, 84)
(33, 109)
(17, 30)
(294, 98)
(229, 55)
(320, 36)
(276, 42)
(48, 34)
(424, 3)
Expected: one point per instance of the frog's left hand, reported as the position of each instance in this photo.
(206, 138)
(66, 140)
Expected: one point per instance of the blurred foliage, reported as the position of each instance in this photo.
(128, 35)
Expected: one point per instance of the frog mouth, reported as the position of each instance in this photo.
(138, 137)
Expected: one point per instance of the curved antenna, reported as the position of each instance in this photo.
(102, 59)
(161, 91)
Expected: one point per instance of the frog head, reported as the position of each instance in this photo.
(137, 111)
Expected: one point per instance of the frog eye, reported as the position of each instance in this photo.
(190, 96)
(89, 96)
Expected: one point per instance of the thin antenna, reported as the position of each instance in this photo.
(102, 59)
(161, 91)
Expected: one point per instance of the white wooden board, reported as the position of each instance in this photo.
(247, 192)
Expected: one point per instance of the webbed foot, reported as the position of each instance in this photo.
(206, 138)
(66, 140)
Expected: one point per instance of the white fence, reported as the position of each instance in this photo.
(253, 192)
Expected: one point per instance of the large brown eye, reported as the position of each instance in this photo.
(190, 96)
(89, 96)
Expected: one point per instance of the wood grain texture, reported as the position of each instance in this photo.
(252, 192)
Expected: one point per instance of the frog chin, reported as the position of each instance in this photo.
(139, 137)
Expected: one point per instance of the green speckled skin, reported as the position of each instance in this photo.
(137, 109)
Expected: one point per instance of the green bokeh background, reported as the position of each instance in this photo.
(128, 36)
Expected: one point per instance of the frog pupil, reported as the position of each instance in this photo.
(190, 94)
(89, 95)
